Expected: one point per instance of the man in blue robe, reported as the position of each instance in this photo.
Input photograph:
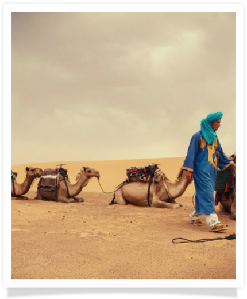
(204, 156)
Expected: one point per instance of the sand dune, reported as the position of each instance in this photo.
(95, 240)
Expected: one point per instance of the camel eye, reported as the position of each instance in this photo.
(89, 170)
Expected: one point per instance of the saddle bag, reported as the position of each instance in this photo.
(221, 179)
(49, 180)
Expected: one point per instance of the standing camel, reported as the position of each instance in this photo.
(162, 192)
(18, 190)
(65, 191)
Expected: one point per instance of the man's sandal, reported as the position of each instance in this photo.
(196, 222)
(218, 228)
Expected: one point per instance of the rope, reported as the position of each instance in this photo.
(193, 199)
(149, 185)
(230, 237)
(65, 181)
(103, 190)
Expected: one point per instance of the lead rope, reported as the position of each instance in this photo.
(67, 187)
(193, 199)
(230, 237)
(118, 187)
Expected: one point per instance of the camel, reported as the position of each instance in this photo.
(68, 195)
(162, 192)
(227, 198)
(18, 190)
(229, 204)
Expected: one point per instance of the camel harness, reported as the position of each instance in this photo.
(13, 177)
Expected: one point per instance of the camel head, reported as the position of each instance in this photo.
(90, 172)
(182, 175)
(158, 176)
(34, 172)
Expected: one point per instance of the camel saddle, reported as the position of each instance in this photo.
(221, 179)
(225, 182)
(50, 178)
(142, 173)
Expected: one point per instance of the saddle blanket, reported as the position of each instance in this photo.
(225, 182)
(13, 174)
(142, 173)
(49, 180)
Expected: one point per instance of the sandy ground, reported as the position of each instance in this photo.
(95, 240)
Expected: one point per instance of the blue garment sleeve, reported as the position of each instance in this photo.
(192, 151)
(223, 161)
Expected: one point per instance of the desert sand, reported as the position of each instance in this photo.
(95, 240)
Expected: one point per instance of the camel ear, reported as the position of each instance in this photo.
(84, 168)
(27, 168)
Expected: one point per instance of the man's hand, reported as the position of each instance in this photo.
(189, 176)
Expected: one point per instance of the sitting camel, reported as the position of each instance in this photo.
(162, 192)
(18, 190)
(227, 198)
(65, 191)
(229, 204)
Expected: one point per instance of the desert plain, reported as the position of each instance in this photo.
(95, 240)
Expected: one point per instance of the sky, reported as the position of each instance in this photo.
(119, 85)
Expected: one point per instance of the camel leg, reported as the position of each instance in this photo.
(78, 199)
(66, 200)
(233, 206)
(39, 196)
(119, 198)
(21, 197)
(18, 197)
(162, 204)
(225, 206)
(62, 196)
(182, 205)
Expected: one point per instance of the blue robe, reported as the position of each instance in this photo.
(203, 160)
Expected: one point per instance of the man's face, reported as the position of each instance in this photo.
(215, 126)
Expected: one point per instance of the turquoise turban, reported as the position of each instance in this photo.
(207, 132)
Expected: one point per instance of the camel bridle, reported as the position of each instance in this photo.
(13, 184)
(63, 172)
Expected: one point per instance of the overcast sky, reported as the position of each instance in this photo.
(110, 86)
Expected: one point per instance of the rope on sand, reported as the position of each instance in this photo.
(230, 237)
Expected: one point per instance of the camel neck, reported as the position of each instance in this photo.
(25, 186)
(77, 187)
(178, 188)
